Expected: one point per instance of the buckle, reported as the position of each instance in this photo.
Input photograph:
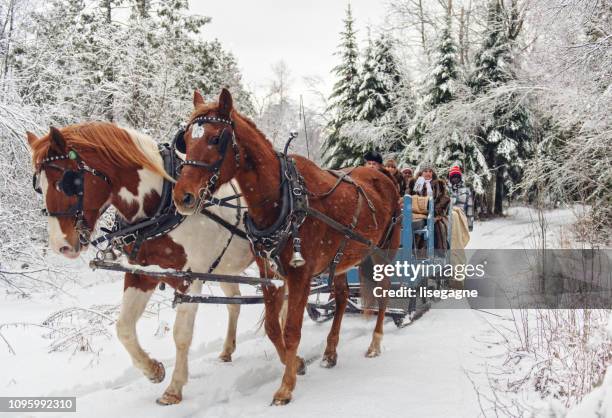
(337, 257)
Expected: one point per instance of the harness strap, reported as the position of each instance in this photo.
(346, 177)
(232, 228)
(347, 231)
(340, 252)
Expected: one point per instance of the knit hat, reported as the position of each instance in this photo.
(454, 171)
(373, 156)
(426, 166)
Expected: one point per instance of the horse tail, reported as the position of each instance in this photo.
(282, 315)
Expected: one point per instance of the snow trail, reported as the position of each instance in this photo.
(422, 371)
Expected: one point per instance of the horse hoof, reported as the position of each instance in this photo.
(373, 352)
(280, 401)
(169, 399)
(159, 372)
(301, 369)
(329, 361)
(225, 358)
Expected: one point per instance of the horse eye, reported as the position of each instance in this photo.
(214, 140)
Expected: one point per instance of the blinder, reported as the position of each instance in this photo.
(36, 183)
(72, 183)
(179, 141)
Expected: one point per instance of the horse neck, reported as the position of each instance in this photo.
(259, 178)
(135, 191)
(136, 194)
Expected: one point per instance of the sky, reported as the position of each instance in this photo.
(305, 34)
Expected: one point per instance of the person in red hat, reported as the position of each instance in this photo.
(461, 195)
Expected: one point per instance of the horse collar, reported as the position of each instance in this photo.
(269, 242)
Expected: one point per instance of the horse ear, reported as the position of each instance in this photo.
(31, 138)
(225, 103)
(197, 98)
(58, 143)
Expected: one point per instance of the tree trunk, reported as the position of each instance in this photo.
(108, 72)
(462, 37)
(423, 38)
(499, 191)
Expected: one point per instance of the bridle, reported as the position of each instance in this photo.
(71, 184)
(222, 141)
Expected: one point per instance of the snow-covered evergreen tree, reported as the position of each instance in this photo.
(378, 122)
(394, 93)
(379, 77)
(505, 137)
(339, 150)
(459, 148)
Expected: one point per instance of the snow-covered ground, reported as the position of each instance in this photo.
(428, 369)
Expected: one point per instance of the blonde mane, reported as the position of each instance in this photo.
(114, 145)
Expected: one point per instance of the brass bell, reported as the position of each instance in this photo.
(297, 260)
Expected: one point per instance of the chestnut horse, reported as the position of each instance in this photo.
(253, 162)
(124, 169)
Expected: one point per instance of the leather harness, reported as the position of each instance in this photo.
(122, 233)
(269, 242)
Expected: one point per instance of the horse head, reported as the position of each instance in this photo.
(212, 155)
(74, 194)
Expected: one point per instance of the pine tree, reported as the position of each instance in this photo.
(391, 93)
(459, 148)
(443, 76)
(374, 97)
(337, 149)
(439, 87)
(505, 138)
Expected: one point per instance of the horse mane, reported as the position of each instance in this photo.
(114, 145)
(204, 109)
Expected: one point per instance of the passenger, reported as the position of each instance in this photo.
(421, 184)
(373, 159)
(461, 195)
(441, 203)
(391, 167)
(407, 173)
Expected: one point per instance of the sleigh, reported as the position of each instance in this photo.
(321, 306)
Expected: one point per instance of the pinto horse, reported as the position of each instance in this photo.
(123, 168)
(222, 145)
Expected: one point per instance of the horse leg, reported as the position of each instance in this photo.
(299, 286)
(183, 333)
(136, 294)
(274, 300)
(374, 349)
(233, 310)
(341, 294)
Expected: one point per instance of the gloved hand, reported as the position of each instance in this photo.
(418, 185)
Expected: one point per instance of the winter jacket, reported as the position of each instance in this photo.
(462, 198)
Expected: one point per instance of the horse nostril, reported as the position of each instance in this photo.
(65, 249)
(188, 200)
